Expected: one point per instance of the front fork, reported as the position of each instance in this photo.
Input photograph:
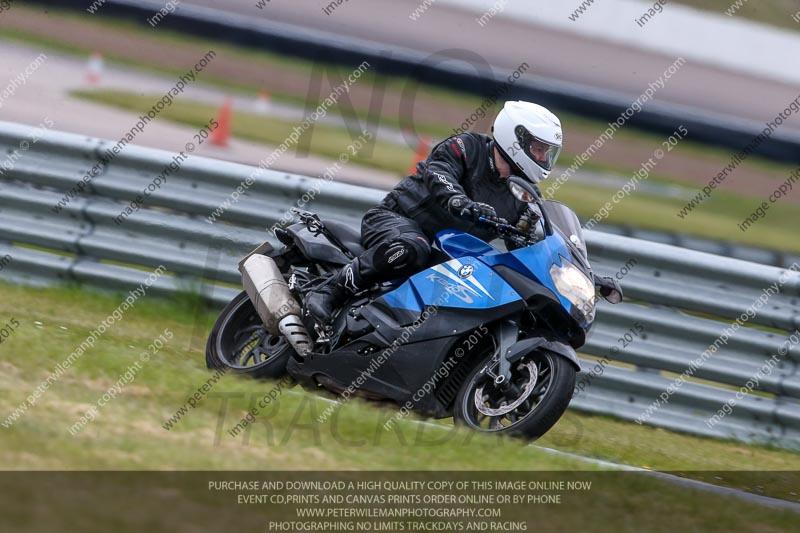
(506, 333)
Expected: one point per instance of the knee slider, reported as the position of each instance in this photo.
(397, 255)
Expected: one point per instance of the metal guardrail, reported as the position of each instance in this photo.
(606, 105)
(680, 300)
(763, 256)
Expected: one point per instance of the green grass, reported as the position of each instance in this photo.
(685, 148)
(131, 503)
(128, 433)
(775, 12)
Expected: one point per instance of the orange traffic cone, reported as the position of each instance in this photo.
(222, 135)
(262, 104)
(421, 154)
(94, 68)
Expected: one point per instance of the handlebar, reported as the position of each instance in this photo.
(503, 228)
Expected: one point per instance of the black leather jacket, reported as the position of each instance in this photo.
(462, 164)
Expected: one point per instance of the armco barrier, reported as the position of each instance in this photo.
(680, 301)
(752, 254)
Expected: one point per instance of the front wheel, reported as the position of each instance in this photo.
(240, 342)
(533, 400)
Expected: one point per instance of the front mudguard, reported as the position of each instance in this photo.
(520, 348)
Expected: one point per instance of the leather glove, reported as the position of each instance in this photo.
(463, 207)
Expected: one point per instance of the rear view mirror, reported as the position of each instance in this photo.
(523, 190)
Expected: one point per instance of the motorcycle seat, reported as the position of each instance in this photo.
(351, 238)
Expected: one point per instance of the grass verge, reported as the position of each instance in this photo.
(774, 12)
(129, 431)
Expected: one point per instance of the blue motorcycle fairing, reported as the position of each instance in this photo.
(458, 244)
(463, 283)
(469, 278)
(535, 261)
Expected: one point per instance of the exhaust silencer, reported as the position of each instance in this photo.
(274, 303)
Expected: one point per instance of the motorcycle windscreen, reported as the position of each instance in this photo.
(565, 221)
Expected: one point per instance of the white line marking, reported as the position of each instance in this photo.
(765, 501)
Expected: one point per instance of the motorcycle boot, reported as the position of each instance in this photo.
(323, 302)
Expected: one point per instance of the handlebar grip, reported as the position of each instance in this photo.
(496, 224)
(507, 227)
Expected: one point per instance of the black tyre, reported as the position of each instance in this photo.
(240, 342)
(527, 407)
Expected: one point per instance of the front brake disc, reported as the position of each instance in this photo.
(504, 409)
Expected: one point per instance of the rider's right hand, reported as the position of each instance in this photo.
(461, 206)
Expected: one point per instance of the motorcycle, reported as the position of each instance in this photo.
(485, 336)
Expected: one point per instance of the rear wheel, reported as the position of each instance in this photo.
(529, 404)
(240, 342)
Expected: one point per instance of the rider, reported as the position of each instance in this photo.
(463, 179)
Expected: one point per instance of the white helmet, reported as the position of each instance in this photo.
(529, 138)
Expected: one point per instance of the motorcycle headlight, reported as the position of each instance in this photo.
(575, 287)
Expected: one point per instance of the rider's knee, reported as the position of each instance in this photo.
(422, 251)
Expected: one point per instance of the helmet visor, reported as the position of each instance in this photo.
(541, 152)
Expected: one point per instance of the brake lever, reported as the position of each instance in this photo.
(305, 216)
(311, 220)
(508, 229)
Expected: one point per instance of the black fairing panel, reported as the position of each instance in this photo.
(526, 287)
(399, 356)
(395, 374)
(525, 346)
(441, 322)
